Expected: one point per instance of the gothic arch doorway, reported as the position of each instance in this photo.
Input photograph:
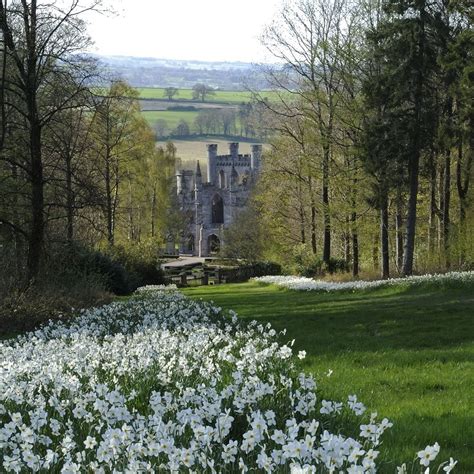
(217, 206)
(213, 244)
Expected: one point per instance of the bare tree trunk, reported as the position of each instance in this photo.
(433, 209)
(414, 159)
(69, 201)
(326, 213)
(18, 238)
(301, 214)
(347, 242)
(355, 246)
(109, 202)
(355, 236)
(399, 230)
(36, 238)
(153, 212)
(313, 217)
(446, 205)
(462, 185)
(385, 255)
(375, 252)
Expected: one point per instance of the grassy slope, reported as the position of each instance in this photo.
(407, 353)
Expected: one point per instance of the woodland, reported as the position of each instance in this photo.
(371, 164)
(368, 169)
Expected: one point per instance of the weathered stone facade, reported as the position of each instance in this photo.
(212, 206)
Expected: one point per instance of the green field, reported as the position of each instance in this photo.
(172, 117)
(406, 353)
(195, 149)
(230, 97)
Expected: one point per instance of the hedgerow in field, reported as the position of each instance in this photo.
(160, 382)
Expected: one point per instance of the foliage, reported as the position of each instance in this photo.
(63, 285)
(372, 161)
(170, 92)
(244, 238)
(202, 91)
(140, 261)
(182, 129)
(244, 272)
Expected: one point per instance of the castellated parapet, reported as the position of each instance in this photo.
(212, 206)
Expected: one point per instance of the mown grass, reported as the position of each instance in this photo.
(407, 353)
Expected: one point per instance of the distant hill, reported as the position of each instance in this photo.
(152, 72)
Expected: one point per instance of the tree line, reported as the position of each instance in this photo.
(373, 159)
(76, 167)
(246, 120)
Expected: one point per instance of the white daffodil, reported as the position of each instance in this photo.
(428, 454)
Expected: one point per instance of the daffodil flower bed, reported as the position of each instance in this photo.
(163, 383)
(308, 284)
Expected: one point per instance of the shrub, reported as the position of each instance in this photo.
(62, 285)
(309, 265)
(336, 265)
(141, 264)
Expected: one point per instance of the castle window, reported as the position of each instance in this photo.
(217, 206)
(221, 179)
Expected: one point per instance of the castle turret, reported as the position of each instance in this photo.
(211, 162)
(256, 157)
(179, 181)
(197, 184)
(234, 150)
(198, 176)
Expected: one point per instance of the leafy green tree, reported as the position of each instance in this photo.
(170, 92)
(118, 131)
(202, 91)
(182, 129)
(40, 44)
(244, 239)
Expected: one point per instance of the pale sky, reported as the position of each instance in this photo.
(209, 30)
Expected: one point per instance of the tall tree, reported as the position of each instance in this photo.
(201, 91)
(41, 42)
(116, 130)
(307, 39)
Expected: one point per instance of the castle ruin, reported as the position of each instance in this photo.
(211, 206)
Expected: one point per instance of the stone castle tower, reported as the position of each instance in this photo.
(212, 206)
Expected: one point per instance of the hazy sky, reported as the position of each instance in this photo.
(211, 30)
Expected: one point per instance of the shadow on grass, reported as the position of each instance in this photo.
(377, 320)
(406, 352)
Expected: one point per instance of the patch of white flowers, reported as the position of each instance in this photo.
(164, 383)
(308, 284)
(148, 288)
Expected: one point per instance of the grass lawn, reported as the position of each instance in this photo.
(406, 353)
